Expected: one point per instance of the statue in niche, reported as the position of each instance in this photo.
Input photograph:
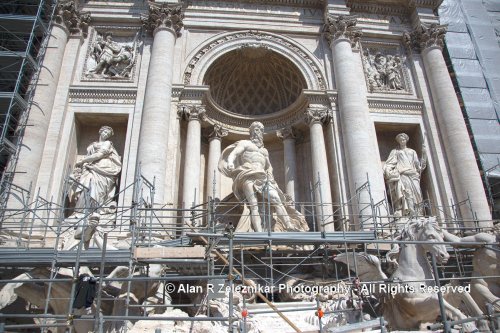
(93, 191)
(112, 60)
(247, 163)
(383, 71)
(402, 172)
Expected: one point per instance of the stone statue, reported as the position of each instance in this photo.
(485, 262)
(112, 60)
(247, 163)
(98, 171)
(402, 172)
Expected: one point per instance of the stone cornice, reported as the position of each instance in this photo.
(341, 27)
(425, 36)
(75, 21)
(163, 16)
(380, 9)
(293, 3)
(434, 4)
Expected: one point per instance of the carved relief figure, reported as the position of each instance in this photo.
(383, 72)
(247, 163)
(402, 172)
(112, 60)
(98, 172)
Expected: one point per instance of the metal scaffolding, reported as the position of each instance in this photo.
(37, 249)
(24, 30)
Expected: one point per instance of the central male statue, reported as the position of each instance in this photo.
(247, 163)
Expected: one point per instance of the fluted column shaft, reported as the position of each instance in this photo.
(289, 161)
(192, 155)
(214, 152)
(156, 112)
(459, 151)
(321, 177)
(165, 22)
(30, 155)
(358, 129)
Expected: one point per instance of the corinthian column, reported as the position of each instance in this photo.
(316, 117)
(67, 21)
(358, 130)
(214, 151)
(288, 136)
(164, 22)
(192, 160)
(459, 152)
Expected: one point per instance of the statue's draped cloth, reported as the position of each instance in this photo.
(246, 173)
(402, 170)
(100, 176)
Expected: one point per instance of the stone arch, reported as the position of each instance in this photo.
(203, 57)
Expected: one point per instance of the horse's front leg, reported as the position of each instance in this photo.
(464, 301)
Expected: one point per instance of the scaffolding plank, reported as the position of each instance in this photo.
(169, 252)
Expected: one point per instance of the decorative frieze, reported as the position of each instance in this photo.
(342, 26)
(97, 96)
(385, 68)
(112, 54)
(163, 16)
(396, 107)
(75, 21)
(425, 36)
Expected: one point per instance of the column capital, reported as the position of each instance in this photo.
(216, 132)
(69, 17)
(191, 112)
(341, 27)
(320, 115)
(287, 133)
(163, 16)
(425, 36)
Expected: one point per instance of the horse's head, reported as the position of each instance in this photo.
(427, 229)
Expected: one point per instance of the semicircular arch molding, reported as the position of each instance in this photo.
(204, 56)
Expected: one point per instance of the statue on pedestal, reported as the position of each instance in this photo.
(94, 188)
(402, 172)
(247, 163)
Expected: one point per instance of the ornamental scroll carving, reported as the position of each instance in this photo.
(342, 26)
(110, 59)
(385, 70)
(317, 115)
(425, 36)
(167, 16)
(191, 112)
(75, 21)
